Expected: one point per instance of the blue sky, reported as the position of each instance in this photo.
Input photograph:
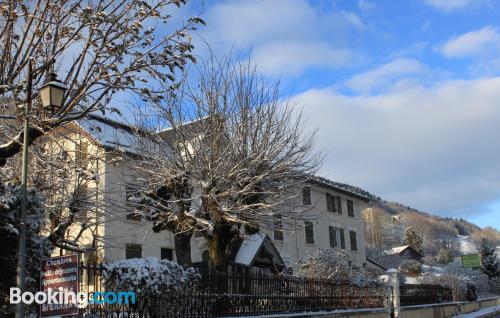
(406, 94)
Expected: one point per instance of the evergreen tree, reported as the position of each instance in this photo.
(412, 239)
(491, 265)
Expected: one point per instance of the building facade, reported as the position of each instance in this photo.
(327, 216)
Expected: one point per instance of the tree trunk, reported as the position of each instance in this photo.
(219, 245)
(183, 248)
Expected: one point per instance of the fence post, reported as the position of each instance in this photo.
(393, 281)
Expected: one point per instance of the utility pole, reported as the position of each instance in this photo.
(21, 266)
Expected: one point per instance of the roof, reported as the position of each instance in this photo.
(252, 245)
(113, 134)
(326, 183)
(400, 249)
(369, 260)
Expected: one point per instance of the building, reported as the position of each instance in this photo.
(327, 216)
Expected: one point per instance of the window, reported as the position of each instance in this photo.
(342, 238)
(350, 208)
(339, 204)
(333, 236)
(133, 251)
(306, 196)
(354, 243)
(309, 232)
(82, 153)
(130, 194)
(167, 253)
(81, 201)
(330, 202)
(278, 227)
(336, 237)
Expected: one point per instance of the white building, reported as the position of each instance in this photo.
(328, 216)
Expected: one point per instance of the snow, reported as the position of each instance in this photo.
(326, 313)
(466, 246)
(397, 250)
(148, 275)
(115, 135)
(249, 248)
(485, 312)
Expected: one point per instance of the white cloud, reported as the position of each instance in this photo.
(473, 43)
(450, 5)
(365, 5)
(431, 148)
(385, 75)
(287, 36)
(293, 57)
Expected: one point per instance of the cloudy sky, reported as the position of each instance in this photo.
(406, 94)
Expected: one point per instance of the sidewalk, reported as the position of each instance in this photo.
(485, 312)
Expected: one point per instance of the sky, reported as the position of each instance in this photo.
(405, 94)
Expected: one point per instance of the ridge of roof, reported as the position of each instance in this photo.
(332, 184)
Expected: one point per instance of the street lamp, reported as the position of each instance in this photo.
(52, 93)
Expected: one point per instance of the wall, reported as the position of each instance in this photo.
(447, 310)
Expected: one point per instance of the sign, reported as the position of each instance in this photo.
(59, 274)
(471, 260)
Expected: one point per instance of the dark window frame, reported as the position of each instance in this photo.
(309, 232)
(278, 227)
(350, 208)
(132, 250)
(353, 241)
(167, 253)
(339, 204)
(330, 203)
(306, 196)
(332, 232)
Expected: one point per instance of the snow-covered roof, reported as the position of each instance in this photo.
(249, 251)
(249, 248)
(115, 135)
(324, 182)
(397, 249)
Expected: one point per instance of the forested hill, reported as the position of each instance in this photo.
(385, 223)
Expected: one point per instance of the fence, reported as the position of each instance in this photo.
(219, 294)
(411, 294)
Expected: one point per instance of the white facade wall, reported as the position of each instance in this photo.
(293, 247)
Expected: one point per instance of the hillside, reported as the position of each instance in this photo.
(385, 223)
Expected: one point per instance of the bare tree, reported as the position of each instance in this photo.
(232, 158)
(99, 48)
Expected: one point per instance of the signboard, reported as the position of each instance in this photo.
(471, 260)
(59, 274)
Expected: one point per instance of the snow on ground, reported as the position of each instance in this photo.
(466, 246)
(485, 312)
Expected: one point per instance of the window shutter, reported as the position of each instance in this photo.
(350, 208)
(354, 243)
(333, 236)
(330, 203)
(339, 204)
(306, 196)
(342, 239)
(309, 232)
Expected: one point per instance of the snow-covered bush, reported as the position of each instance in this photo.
(333, 264)
(148, 276)
(459, 279)
(411, 266)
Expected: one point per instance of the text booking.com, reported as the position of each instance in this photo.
(58, 297)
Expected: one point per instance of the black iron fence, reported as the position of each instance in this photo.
(412, 294)
(218, 294)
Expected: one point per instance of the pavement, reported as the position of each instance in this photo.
(491, 312)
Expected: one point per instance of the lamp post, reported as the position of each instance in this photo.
(52, 95)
